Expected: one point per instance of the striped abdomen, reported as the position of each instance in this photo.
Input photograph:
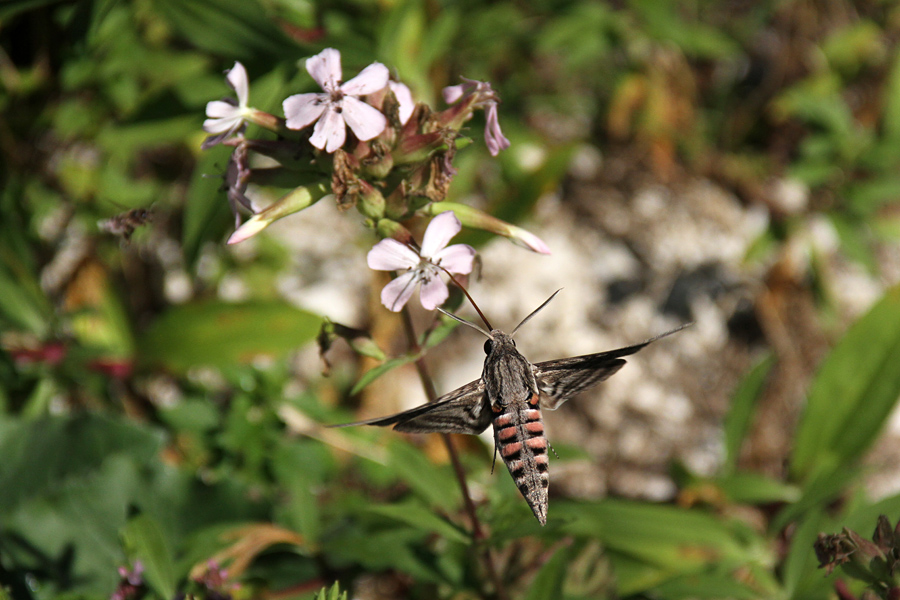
(519, 435)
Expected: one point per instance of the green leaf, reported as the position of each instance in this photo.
(222, 334)
(801, 570)
(855, 389)
(854, 46)
(549, 581)
(20, 308)
(376, 372)
(713, 586)
(755, 488)
(434, 483)
(74, 531)
(433, 337)
(238, 29)
(146, 543)
(817, 491)
(867, 197)
(302, 467)
(737, 421)
(660, 542)
(333, 594)
(206, 211)
(663, 21)
(41, 456)
(422, 518)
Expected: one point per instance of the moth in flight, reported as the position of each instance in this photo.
(510, 395)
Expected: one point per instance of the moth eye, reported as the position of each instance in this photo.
(513, 343)
(487, 346)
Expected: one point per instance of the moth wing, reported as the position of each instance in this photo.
(464, 410)
(559, 380)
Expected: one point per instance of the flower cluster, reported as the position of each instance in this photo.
(395, 165)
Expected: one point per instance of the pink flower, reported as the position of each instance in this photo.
(483, 96)
(422, 267)
(340, 105)
(225, 118)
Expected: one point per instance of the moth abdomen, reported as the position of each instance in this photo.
(519, 435)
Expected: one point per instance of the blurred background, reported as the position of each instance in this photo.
(734, 164)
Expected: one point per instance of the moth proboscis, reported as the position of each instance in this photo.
(510, 395)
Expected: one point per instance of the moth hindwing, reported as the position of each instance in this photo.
(509, 396)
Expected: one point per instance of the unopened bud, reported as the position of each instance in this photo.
(418, 147)
(477, 219)
(387, 228)
(294, 201)
(371, 202)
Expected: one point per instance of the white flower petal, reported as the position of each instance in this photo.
(433, 293)
(457, 258)
(220, 125)
(330, 131)
(391, 255)
(300, 110)
(397, 293)
(325, 68)
(439, 232)
(218, 109)
(365, 121)
(370, 80)
(237, 79)
(404, 99)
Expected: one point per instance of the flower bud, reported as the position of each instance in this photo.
(371, 202)
(378, 162)
(294, 201)
(477, 219)
(387, 228)
(418, 147)
(268, 121)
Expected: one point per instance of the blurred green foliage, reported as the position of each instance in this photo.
(101, 104)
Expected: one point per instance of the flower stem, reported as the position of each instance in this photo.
(477, 531)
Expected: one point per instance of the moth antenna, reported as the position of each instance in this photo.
(464, 322)
(466, 292)
(535, 311)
